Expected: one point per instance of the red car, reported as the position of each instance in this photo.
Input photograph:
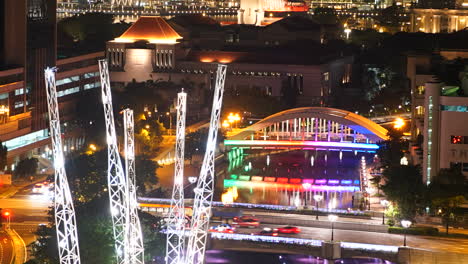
(266, 232)
(246, 222)
(288, 230)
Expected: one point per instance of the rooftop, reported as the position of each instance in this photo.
(152, 29)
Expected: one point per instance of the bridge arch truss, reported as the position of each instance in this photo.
(311, 126)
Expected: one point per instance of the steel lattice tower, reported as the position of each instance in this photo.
(176, 223)
(204, 190)
(135, 236)
(65, 220)
(118, 194)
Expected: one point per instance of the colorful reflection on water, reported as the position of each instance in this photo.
(295, 177)
(236, 257)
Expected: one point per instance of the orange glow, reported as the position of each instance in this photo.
(207, 60)
(399, 123)
(151, 29)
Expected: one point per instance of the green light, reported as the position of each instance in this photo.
(234, 176)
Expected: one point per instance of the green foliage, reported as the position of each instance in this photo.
(26, 167)
(419, 230)
(447, 192)
(392, 150)
(404, 186)
(145, 173)
(89, 31)
(3, 156)
(195, 142)
(88, 175)
(95, 232)
(390, 222)
(148, 136)
(155, 241)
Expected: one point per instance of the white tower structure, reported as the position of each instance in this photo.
(65, 220)
(251, 12)
(135, 237)
(115, 174)
(176, 223)
(204, 190)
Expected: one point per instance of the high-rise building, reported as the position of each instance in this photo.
(27, 47)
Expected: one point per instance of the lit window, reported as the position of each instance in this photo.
(19, 91)
(326, 76)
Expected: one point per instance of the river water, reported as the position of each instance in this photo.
(294, 177)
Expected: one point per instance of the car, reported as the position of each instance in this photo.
(248, 222)
(266, 232)
(244, 217)
(223, 228)
(39, 188)
(288, 230)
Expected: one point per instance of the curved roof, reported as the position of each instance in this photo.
(356, 122)
(152, 29)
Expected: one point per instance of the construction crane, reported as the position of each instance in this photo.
(65, 220)
(118, 191)
(204, 191)
(135, 237)
(176, 222)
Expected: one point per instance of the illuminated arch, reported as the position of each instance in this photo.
(356, 122)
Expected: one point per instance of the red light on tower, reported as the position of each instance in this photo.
(456, 139)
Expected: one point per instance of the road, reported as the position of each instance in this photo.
(422, 242)
(28, 211)
(6, 248)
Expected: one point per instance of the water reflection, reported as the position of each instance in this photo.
(295, 177)
(235, 257)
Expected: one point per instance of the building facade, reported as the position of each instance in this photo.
(27, 47)
(439, 137)
(144, 52)
(438, 20)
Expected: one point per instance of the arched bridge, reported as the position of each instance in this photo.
(310, 127)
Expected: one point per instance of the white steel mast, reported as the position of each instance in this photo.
(204, 190)
(134, 233)
(115, 174)
(176, 222)
(65, 220)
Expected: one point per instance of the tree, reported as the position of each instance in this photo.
(145, 173)
(403, 185)
(3, 156)
(26, 167)
(195, 142)
(88, 175)
(148, 136)
(392, 150)
(447, 192)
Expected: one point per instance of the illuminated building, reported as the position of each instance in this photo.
(438, 20)
(25, 51)
(439, 140)
(264, 62)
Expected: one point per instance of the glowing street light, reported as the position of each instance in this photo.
(317, 199)
(332, 219)
(405, 224)
(399, 123)
(347, 31)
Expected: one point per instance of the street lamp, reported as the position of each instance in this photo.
(347, 32)
(384, 203)
(406, 224)
(332, 219)
(317, 199)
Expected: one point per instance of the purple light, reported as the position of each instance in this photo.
(308, 181)
(333, 181)
(301, 143)
(321, 181)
